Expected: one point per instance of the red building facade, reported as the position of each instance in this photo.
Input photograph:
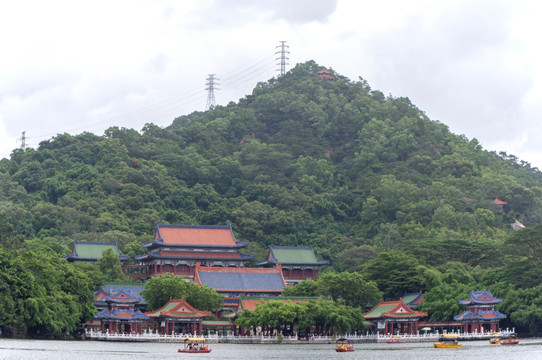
(176, 249)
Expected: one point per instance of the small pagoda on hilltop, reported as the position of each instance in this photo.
(325, 74)
(297, 263)
(480, 315)
(394, 317)
(176, 249)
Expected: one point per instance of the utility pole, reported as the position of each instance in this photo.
(211, 91)
(283, 58)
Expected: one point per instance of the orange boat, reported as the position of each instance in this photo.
(194, 345)
(510, 339)
(344, 345)
(447, 341)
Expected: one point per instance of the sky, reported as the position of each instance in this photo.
(76, 66)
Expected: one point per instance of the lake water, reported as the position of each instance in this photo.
(100, 350)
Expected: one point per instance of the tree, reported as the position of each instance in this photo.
(302, 288)
(110, 266)
(160, 289)
(352, 288)
(395, 273)
(41, 293)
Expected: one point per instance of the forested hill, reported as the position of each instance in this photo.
(300, 161)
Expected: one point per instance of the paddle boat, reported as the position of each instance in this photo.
(495, 341)
(344, 345)
(447, 341)
(509, 339)
(194, 345)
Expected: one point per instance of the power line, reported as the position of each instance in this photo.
(259, 68)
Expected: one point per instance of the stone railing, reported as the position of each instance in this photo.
(215, 338)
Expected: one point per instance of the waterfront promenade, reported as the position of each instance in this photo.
(273, 339)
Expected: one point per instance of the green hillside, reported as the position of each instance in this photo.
(301, 161)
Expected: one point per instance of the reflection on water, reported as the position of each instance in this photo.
(99, 350)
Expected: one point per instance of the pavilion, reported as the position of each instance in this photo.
(178, 316)
(393, 317)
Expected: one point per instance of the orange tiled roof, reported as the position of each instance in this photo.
(324, 71)
(197, 236)
(498, 201)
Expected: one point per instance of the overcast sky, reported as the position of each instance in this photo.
(74, 66)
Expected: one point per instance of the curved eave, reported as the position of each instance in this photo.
(275, 262)
(249, 290)
(319, 263)
(150, 256)
(160, 243)
(121, 301)
(473, 302)
(77, 258)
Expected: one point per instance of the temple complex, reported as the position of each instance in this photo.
(297, 263)
(394, 317)
(176, 249)
(480, 315)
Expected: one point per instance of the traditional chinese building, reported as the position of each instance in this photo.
(297, 263)
(234, 282)
(176, 249)
(480, 315)
(325, 74)
(120, 314)
(393, 317)
(178, 316)
(91, 252)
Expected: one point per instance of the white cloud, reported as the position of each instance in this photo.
(72, 66)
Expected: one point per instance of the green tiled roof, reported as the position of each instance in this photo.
(377, 312)
(168, 306)
(93, 250)
(409, 298)
(295, 255)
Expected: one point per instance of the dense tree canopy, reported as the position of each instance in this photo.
(368, 180)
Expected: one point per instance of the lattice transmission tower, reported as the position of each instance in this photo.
(211, 87)
(283, 57)
(23, 140)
